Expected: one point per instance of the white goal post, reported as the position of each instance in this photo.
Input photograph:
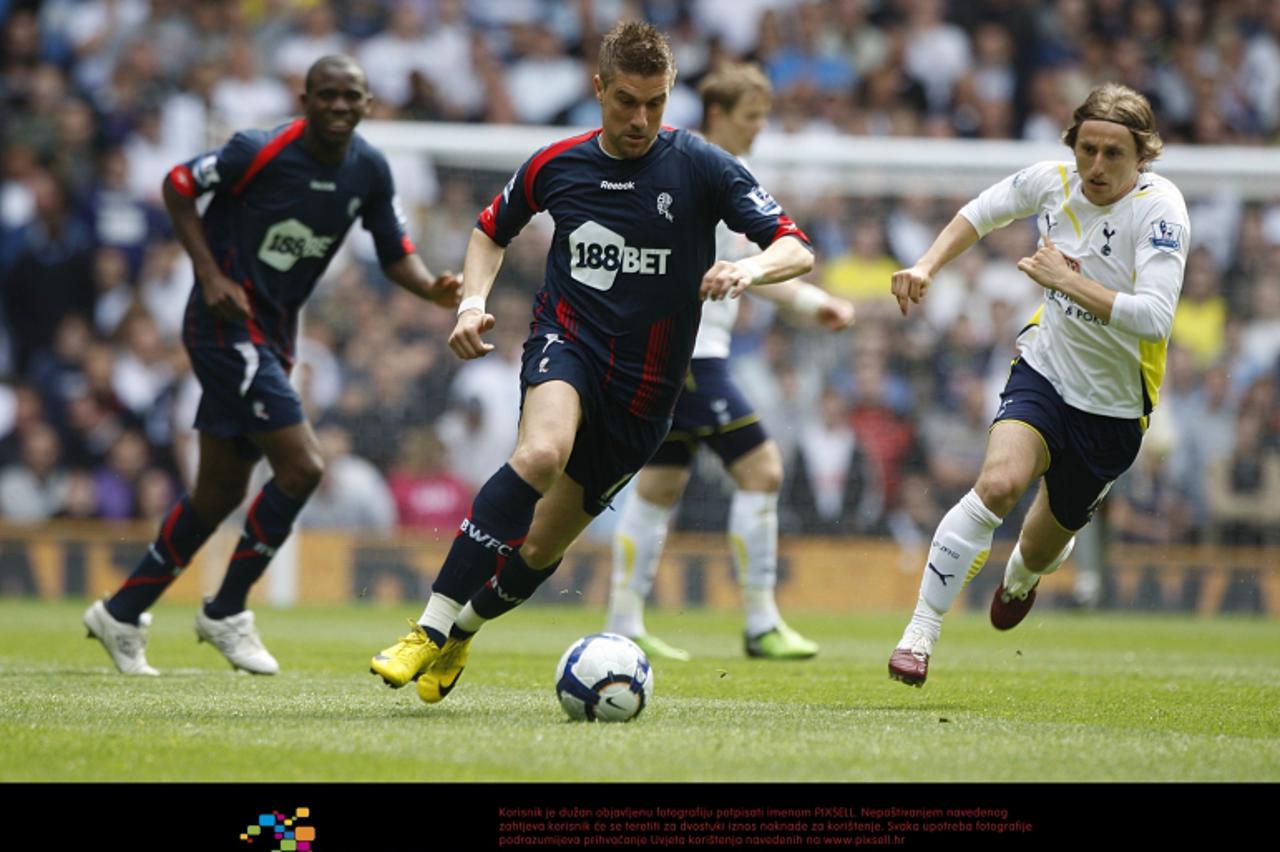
(857, 165)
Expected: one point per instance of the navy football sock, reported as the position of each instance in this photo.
(494, 528)
(181, 535)
(512, 584)
(267, 525)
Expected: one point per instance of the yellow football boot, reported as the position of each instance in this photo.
(441, 676)
(407, 659)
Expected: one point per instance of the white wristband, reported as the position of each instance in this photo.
(753, 269)
(809, 300)
(476, 302)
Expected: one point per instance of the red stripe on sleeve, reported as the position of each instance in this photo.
(788, 228)
(181, 179)
(269, 152)
(489, 218)
(546, 156)
(407, 245)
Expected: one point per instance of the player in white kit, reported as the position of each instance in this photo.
(712, 411)
(1113, 246)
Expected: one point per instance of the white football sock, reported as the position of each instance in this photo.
(440, 613)
(959, 549)
(924, 621)
(637, 546)
(753, 539)
(468, 620)
(1019, 580)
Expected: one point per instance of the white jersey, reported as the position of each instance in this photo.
(718, 318)
(1137, 247)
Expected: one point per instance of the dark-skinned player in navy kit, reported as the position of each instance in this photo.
(282, 202)
(635, 206)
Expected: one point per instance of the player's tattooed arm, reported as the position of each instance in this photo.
(225, 298)
(410, 273)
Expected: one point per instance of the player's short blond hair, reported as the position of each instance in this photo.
(635, 47)
(727, 85)
(1120, 104)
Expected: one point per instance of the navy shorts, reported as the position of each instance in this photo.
(712, 411)
(1087, 452)
(612, 444)
(245, 389)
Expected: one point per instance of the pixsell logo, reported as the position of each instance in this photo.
(275, 832)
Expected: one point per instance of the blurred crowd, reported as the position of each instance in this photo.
(882, 428)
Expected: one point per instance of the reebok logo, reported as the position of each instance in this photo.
(264, 549)
(608, 184)
(324, 185)
(483, 539)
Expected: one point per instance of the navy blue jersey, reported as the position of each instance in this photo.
(633, 239)
(277, 217)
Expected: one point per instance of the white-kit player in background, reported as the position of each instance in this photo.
(1113, 246)
(712, 411)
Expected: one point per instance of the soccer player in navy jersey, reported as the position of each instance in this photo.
(635, 206)
(282, 202)
(714, 413)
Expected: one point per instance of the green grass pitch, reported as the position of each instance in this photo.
(1062, 698)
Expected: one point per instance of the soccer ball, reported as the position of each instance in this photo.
(604, 677)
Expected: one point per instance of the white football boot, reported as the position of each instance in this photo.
(237, 638)
(126, 644)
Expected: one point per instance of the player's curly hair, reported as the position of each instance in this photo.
(727, 85)
(635, 47)
(1122, 105)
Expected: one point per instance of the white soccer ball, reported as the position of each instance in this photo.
(604, 677)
